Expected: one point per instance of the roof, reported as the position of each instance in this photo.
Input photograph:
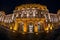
(38, 6)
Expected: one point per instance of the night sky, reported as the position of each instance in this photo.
(9, 5)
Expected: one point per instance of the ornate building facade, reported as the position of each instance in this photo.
(30, 18)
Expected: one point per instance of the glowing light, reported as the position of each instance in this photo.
(25, 27)
(32, 13)
(36, 33)
(36, 29)
(16, 26)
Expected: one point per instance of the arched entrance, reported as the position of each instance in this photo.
(30, 27)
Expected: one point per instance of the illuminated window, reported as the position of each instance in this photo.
(30, 28)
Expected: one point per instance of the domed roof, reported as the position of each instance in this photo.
(25, 6)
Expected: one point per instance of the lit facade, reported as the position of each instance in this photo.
(30, 18)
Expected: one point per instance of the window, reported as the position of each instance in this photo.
(30, 28)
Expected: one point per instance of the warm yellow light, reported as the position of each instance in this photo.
(40, 14)
(36, 28)
(15, 26)
(38, 6)
(25, 27)
(51, 27)
(10, 27)
(46, 29)
(13, 31)
(36, 33)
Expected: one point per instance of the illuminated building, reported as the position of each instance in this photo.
(30, 18)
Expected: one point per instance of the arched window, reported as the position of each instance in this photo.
(40, 27)
(30, 28)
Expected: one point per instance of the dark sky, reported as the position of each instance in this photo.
(9, 5)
